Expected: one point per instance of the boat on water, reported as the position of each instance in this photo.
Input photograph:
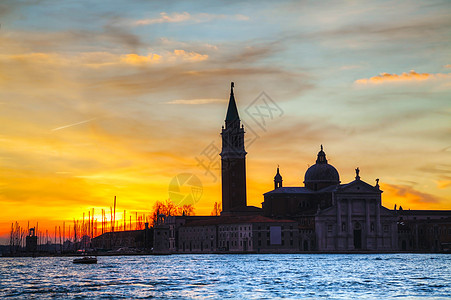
(85, 260)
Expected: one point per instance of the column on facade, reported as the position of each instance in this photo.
(349, 225)
(378, 217)
(338, 217)
(349, 220)
(338, 224)
(368, 221)
(378, 222)
(367, 215)
(416, 236)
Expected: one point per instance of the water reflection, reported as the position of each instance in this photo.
(231, 276)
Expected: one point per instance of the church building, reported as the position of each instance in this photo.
(334, 216)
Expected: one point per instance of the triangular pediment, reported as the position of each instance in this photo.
(358, 187)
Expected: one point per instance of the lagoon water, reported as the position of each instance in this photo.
(307, 276)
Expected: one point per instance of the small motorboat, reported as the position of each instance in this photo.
(85, 260)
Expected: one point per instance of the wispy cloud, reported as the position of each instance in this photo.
(165, 18)
(350, 67)
(440, 170)
(195, 101)
(73, 124)
(404, 77)
(185, 16)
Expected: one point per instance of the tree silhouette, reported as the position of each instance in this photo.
(217, 208)
(168, 208)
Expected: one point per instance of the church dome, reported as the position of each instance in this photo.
(321, 174)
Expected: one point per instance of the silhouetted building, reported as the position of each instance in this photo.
(239, 234)
(424, 230)
(127, 240)
(31, 241)
(167, 230)
(334, 216)
(233, 161)
(164, 234)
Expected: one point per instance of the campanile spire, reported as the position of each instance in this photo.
(232, 115)
(233, 159)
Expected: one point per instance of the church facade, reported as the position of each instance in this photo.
(356, 221)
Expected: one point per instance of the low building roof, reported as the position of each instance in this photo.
(301, 190)
(423, 212)
(291, 190)
(235, 220)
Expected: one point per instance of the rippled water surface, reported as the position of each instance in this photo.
(312, 276)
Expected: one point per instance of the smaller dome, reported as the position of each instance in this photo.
(321, 174)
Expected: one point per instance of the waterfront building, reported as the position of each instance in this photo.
(126, 240)
(31, 241)
(239, 234)
(424, 230)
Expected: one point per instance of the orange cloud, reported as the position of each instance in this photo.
(38, 57)
(443, 184)
(175, 56)
(408, 197)
(404, 77)
(136, 59)
(189, 56)
(102, 59)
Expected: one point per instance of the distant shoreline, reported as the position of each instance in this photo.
(218, 253)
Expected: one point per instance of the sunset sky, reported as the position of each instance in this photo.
(115, 98)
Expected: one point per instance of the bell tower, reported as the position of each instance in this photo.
(277, 179)
(233, 159)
